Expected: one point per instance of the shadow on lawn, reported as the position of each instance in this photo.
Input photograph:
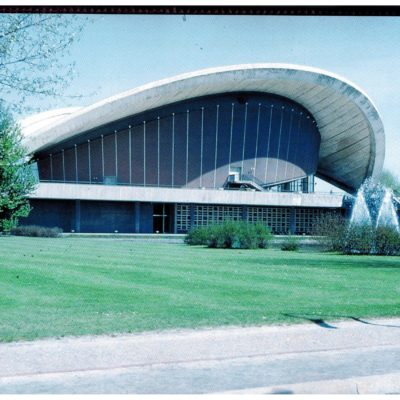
(320, 322)
(373, 323)
(362, 261)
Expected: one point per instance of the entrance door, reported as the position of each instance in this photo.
(162, 218)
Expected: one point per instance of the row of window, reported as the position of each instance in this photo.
(280, 220)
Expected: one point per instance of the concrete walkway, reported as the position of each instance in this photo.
(353, 356)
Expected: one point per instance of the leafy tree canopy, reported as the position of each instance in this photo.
(16, 176)
(391, 181)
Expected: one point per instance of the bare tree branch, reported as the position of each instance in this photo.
(33, 49)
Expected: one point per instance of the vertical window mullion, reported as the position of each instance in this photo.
(130, 154)
(288, 146)
(76, 162)
(201, 147)
(297, 144)
(257, 134)
(173, 150)
(158, 151)
(51, 167)
(231, 134)
(187, 146)
(216, 147)
(116, 155)
(279, 143)
(102, 156)
(144, 153)
(90, 163)
(269, 140)
(63, 164)
(244, 136)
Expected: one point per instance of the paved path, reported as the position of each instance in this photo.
(357, 356)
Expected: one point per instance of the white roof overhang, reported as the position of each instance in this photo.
(352, 135)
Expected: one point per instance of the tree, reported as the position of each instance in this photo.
(33, 49)
(33, 63)
(391, 181)
(16, 176)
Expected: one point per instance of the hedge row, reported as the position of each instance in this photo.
(36, 231)
(337, 235)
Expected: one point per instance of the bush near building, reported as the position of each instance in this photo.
(335, 234)
(290, 244)
(230, 235)
(36, 231)
(383, 240)
(331, 231)
(359, 239)
(387, 241)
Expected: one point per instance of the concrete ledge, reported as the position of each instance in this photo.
(72, 191)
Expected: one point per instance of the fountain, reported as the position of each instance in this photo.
(360, 214)
(373, 206)
(387, 214)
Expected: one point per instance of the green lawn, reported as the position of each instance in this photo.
(76, 286)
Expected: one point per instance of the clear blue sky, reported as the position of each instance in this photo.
(118, 53)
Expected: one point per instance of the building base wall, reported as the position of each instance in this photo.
(146, 217)
(89, 216)
(107, 216)
(51, 213)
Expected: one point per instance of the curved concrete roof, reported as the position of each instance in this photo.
(42, 120)
(352, 135)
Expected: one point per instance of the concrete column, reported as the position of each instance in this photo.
(244, 213)
(174, 227)
(77, 216)
(137, 217)
(292, 227)
(192, 216)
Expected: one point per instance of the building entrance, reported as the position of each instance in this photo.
(163, 217)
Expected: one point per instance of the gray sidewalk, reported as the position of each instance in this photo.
(337, 357)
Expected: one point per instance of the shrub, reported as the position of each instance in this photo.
(223, 236)
(263, 235)
(387, 241)
(197, 236)
(335, 234)
(359, 239)
(230, 235)
(290, 244)
(364, 239)
(36, 231)
(331, 229)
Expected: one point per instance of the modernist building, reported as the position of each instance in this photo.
(240, 143)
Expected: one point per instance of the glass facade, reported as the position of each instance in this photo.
(193, 144)
(304, 185)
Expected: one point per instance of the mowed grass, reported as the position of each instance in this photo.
(78, 286)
